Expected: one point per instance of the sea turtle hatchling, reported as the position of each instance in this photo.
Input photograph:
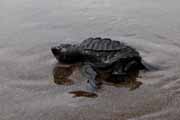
(100, 54)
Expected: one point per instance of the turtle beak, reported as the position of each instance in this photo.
(55, 51)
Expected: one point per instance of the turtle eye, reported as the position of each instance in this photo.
(58, 47)
(63, 50)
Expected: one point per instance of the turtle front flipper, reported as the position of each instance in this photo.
(90, 74)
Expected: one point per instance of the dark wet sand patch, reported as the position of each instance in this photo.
(80, 93)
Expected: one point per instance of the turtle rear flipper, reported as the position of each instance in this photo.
(118, 74)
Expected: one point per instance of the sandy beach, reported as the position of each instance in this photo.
(28, 29)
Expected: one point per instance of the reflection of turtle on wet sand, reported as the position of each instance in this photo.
(100, 58)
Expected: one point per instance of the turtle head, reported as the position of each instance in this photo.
(66, 53)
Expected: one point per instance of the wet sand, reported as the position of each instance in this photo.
(28, 29)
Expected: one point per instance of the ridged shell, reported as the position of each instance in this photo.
(99, 44)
